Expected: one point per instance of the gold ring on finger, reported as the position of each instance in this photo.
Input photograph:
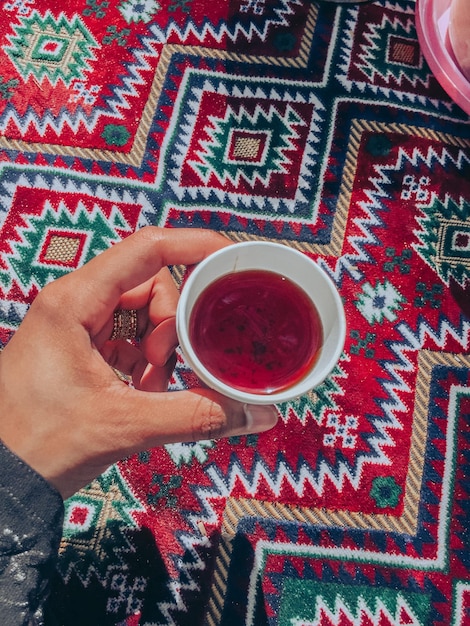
(124, 324)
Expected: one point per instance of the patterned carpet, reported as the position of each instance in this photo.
(317, 125)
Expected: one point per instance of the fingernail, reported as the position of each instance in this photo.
(260, 417)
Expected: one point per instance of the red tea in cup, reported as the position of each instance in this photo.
(256, 331)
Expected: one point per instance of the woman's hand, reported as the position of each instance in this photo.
(63, 409)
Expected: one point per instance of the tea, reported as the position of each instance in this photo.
(256, 331)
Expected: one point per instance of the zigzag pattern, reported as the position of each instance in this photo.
(144, 62)
(12, 314)
(406, 94)
(359, 615)
(80, 119)
(413, 341)
(190, 569)
(296, 478)
(252, 88)
(218, 32)
(350, 262)
(379, 191)
(389, 582)
(13, 177)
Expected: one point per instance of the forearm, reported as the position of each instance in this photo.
(31, 515)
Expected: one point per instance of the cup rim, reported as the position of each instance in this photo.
(308, 381)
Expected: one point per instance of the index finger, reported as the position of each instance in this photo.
(99, 285)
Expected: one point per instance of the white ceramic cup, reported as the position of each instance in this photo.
(299, 269)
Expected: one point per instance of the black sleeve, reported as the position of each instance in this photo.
(31, 517)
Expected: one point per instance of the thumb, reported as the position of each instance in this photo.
(132, 421)
(183, 416)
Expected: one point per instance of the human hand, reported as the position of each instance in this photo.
(63, 409)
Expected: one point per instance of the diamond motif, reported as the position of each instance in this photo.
(81, 514)
(32, 267)
(231, 135)
(461, 241)
(445, 239)
(56, 49)
(386, 53)
(400, 48)
(51, 48)
(454, 241)
(62, 229)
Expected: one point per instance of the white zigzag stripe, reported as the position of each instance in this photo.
(134, 78)
(440, 336)
(284, 475)
(79, 120)
(348, 262)
(413, 343)
(186, 567)
(111, 193)
(222, 486)
(258, 88)
(48, 121)
(218, 33)
(362, 613)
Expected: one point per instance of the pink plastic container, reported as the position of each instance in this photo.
(459, 34)
(432, 24)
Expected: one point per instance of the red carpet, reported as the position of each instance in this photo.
(316, 125)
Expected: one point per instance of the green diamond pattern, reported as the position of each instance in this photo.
(383, 59)
(445, 239)
(273, 131)
(52, 48)
(24, 260)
